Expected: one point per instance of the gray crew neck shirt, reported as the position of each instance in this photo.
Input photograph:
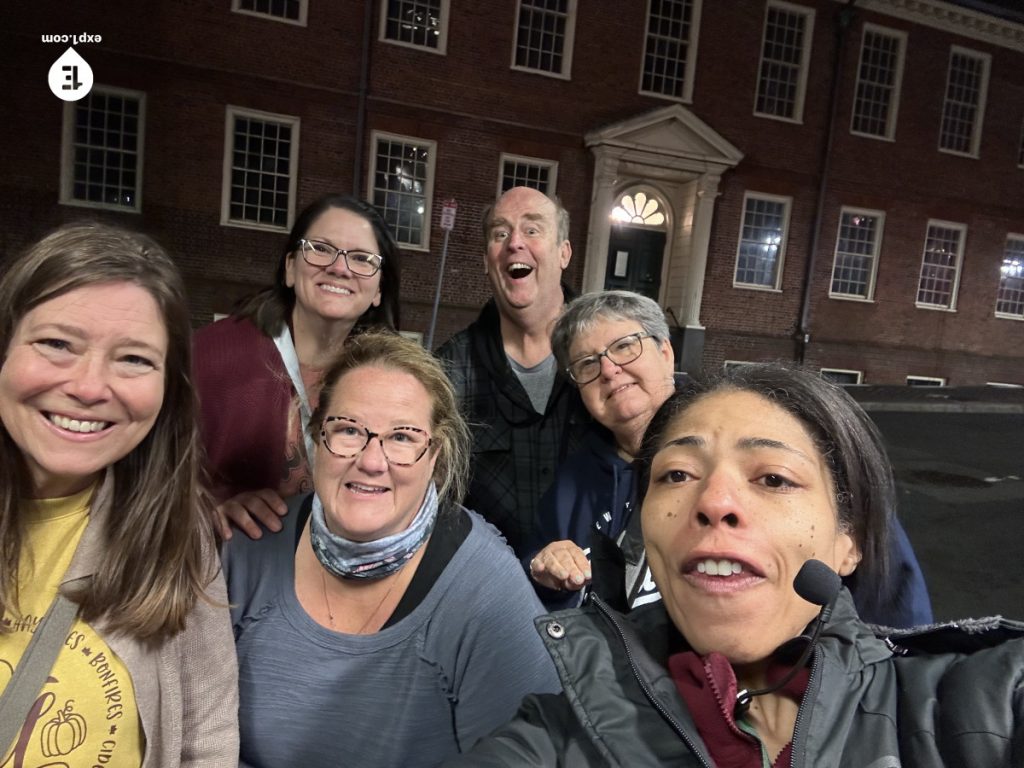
(537, 381)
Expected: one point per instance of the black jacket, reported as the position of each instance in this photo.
(516, 450)
(951, 695)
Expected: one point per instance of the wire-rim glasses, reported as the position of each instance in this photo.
(347, 438)
(320, 254)
(622, 351)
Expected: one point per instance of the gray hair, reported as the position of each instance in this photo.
(583, 313)
(561, 217)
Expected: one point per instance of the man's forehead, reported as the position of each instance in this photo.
(532, 208)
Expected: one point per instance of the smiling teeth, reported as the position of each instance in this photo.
(719, 567)
(366, 488)
(335, 289)
(76, 425)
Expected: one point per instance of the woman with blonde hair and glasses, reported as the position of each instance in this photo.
(386, 625)
(338, 274)
(103, 527)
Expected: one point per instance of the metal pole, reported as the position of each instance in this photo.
(437, 294)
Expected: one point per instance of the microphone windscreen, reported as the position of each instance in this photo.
(817, 583)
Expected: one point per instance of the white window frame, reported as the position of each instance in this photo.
(428, 190)
(67, 165)
(926, 381)
(691, 56)
(442, 38)
(955, 290)
(986, 61)
(858, 374)
(876, 256)
(787, 203)
(230, 113)
(1005, 384)
(805, 59)
(567, 46)
(299, 22)
(550, 165)
(1009, 315)
(894, 101)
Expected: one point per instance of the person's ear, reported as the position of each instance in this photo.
(565, 254)
(289, 270)
(849, 554)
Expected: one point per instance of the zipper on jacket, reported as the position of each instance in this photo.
(812, 688)
(676, 725)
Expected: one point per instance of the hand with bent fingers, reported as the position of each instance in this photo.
(561, 565)
(248, 509)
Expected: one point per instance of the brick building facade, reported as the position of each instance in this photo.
(841, 183)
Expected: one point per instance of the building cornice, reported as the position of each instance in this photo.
(952, 18)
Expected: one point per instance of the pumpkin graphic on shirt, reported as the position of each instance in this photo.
(63, 734)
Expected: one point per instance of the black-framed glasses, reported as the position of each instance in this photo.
(346, 438)
(622, 351)
(320, 254)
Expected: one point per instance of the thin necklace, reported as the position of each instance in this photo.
(330, 613)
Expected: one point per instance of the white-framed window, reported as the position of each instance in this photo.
(519, 171)
(1003, 384)
(964, 107)
(842, 376)
(670, 48)
(876, 97)
(291, 11)
(1010, 298)
(419, 24)
(261, 157)
(544, 36)
(761, 251)
(940, 265)
(925, 381)
(785, 58)
(858, 243)
(101, 157)
(402, 186)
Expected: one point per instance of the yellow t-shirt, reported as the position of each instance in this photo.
(85, 714)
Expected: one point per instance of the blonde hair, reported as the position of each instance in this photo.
(448, 429)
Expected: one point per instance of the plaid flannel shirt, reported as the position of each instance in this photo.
(516, 450)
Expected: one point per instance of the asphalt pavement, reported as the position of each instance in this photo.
(958, 457)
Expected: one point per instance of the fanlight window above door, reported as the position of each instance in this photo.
(638, 209)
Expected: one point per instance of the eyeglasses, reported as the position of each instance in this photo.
(621, 352)
(362, 263)
(346, 438)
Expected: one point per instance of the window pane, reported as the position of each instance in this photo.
(939, 266)
(260, 165)
(106, 156)
(667, 46)
(400, 183)
(876, 84)
(761, 239)
(1010, 299)
(516, 173)
(856, 247)
(781, 63)
(963, 97)
(417, 22)
(540, 37)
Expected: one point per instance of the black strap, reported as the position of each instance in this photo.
(35, 665)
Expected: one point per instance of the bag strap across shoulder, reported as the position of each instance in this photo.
(37, 661)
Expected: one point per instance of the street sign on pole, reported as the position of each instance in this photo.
(448, 208)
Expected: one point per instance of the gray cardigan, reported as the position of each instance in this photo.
(186, 690)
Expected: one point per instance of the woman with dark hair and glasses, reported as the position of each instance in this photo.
(258, 372)
(386, 624)
(615, 346)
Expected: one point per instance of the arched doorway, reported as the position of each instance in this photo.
(636, 243)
